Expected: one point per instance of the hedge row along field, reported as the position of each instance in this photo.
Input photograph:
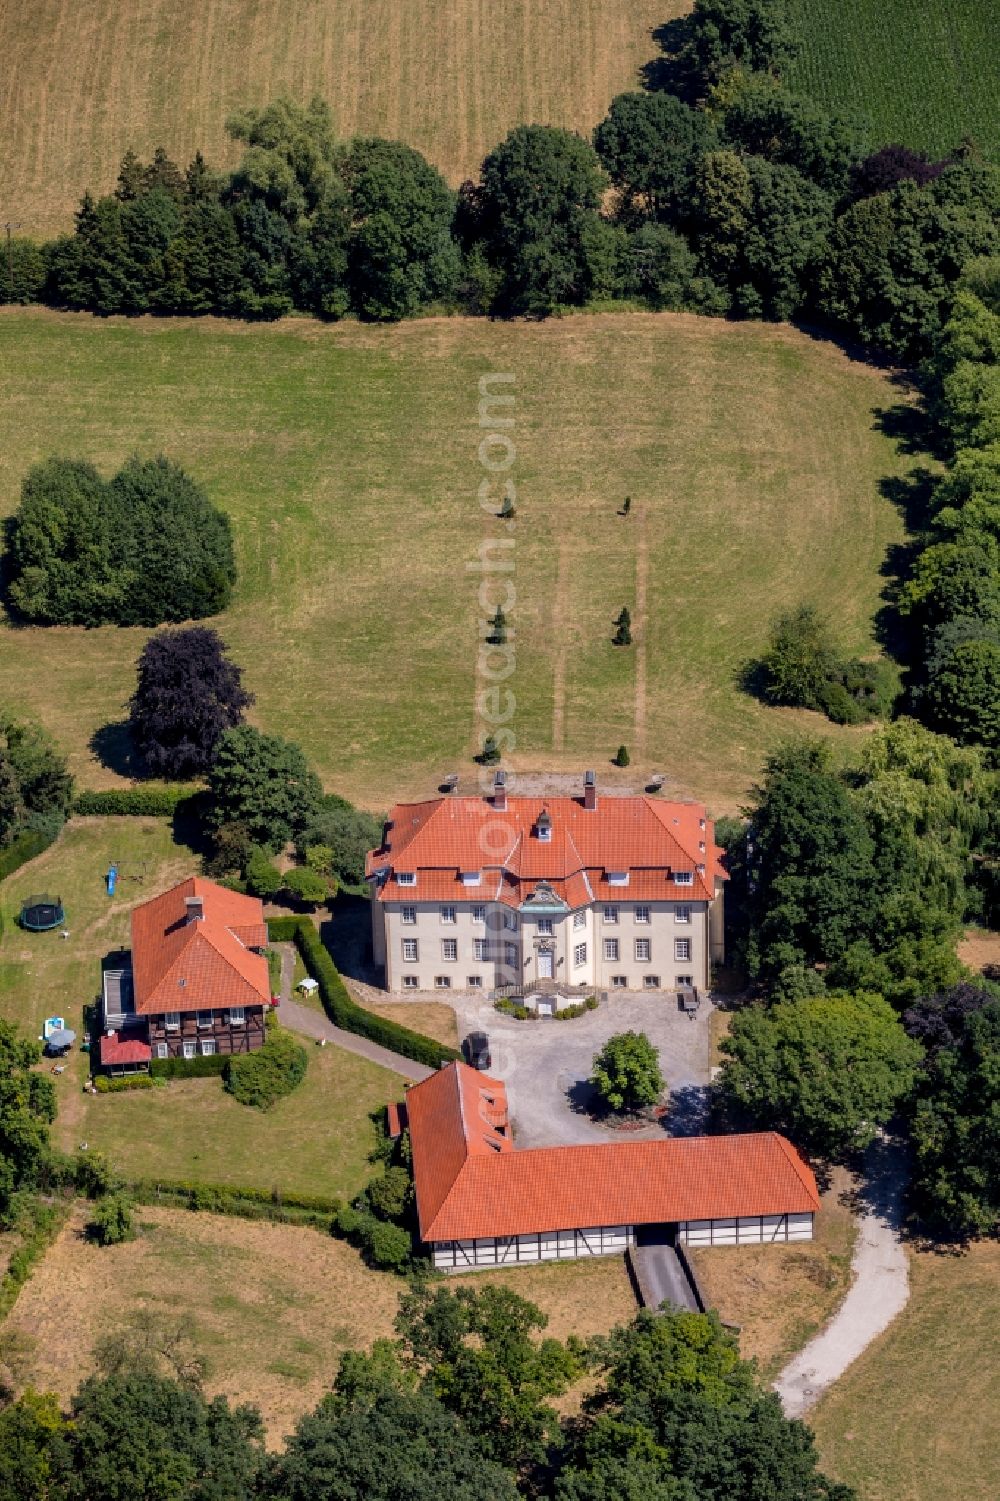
(344, 1012)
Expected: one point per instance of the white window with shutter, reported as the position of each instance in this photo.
(479, 949)
(642, 950)
(682, 948)
(408, 915)
(410, 951)
(237, 1016)
(162, 1050)
(682, 914)
(207, 1047)
(449, 948)
(611, 949)
(188, 1049)
(479, 914)
(448, 914)
(579, 955)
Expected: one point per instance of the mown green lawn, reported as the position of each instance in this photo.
(316, 1141)
(924, 72)
(347, 458)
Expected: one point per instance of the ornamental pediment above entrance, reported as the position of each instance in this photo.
(543, 899)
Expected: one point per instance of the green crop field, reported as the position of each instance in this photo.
(348, 460)
(925, 72)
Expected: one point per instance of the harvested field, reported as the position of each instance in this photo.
(80, 85)
(914, 1418)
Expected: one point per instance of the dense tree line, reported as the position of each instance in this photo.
(459, 1405)
(719, 191)
(849, 891)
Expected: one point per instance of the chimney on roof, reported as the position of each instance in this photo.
(195, 908)
(589, 791)
(500, 791)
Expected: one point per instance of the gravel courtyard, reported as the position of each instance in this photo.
(545, 1064)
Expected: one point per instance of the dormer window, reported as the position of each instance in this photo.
(617, 877)
(543, 827)
(684, 877)
(471, 877)
(406, 877)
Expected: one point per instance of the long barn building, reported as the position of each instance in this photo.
(482, 1203)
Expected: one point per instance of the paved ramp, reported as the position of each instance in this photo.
(660, 1277)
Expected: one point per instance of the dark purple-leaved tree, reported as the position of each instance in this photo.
(889, 165)
(939, 1021)
(187, 695)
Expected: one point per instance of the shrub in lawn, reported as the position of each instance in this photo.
(143, 548)
(490, 753)
(622, 758)
(382, 1243)
(623, 635)
(262, 877)
(266, 1076)
(390, 1196)
(113, 1220)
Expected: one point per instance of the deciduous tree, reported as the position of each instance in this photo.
(828, 1070)
(188, 693)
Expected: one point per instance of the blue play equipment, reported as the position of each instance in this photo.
(112, 879)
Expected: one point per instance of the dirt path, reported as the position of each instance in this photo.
(878, 1294)
(560, 611)
(640, 633)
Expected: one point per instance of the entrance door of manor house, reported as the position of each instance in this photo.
(545, 964)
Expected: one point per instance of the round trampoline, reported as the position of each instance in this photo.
(40, 913)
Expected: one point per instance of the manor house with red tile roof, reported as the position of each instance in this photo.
(576, 892)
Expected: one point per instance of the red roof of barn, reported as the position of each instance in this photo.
(207, 963)
(114, 1050)
(650, 839)
(470, 1182)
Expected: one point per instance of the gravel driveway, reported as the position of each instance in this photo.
(545, 1064)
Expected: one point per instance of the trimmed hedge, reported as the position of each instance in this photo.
(344, 1012)
(25, 848)
(105, 1085)
(133, 802)
(313, 1210)
(189, 1068)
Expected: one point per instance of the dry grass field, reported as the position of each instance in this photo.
(271, 1308)
(81, 84)
(781, 1295)
(347, 458)
(915, 1418)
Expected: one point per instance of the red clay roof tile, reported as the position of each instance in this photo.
(649, 839)
(471, 1183)
(204, 964)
